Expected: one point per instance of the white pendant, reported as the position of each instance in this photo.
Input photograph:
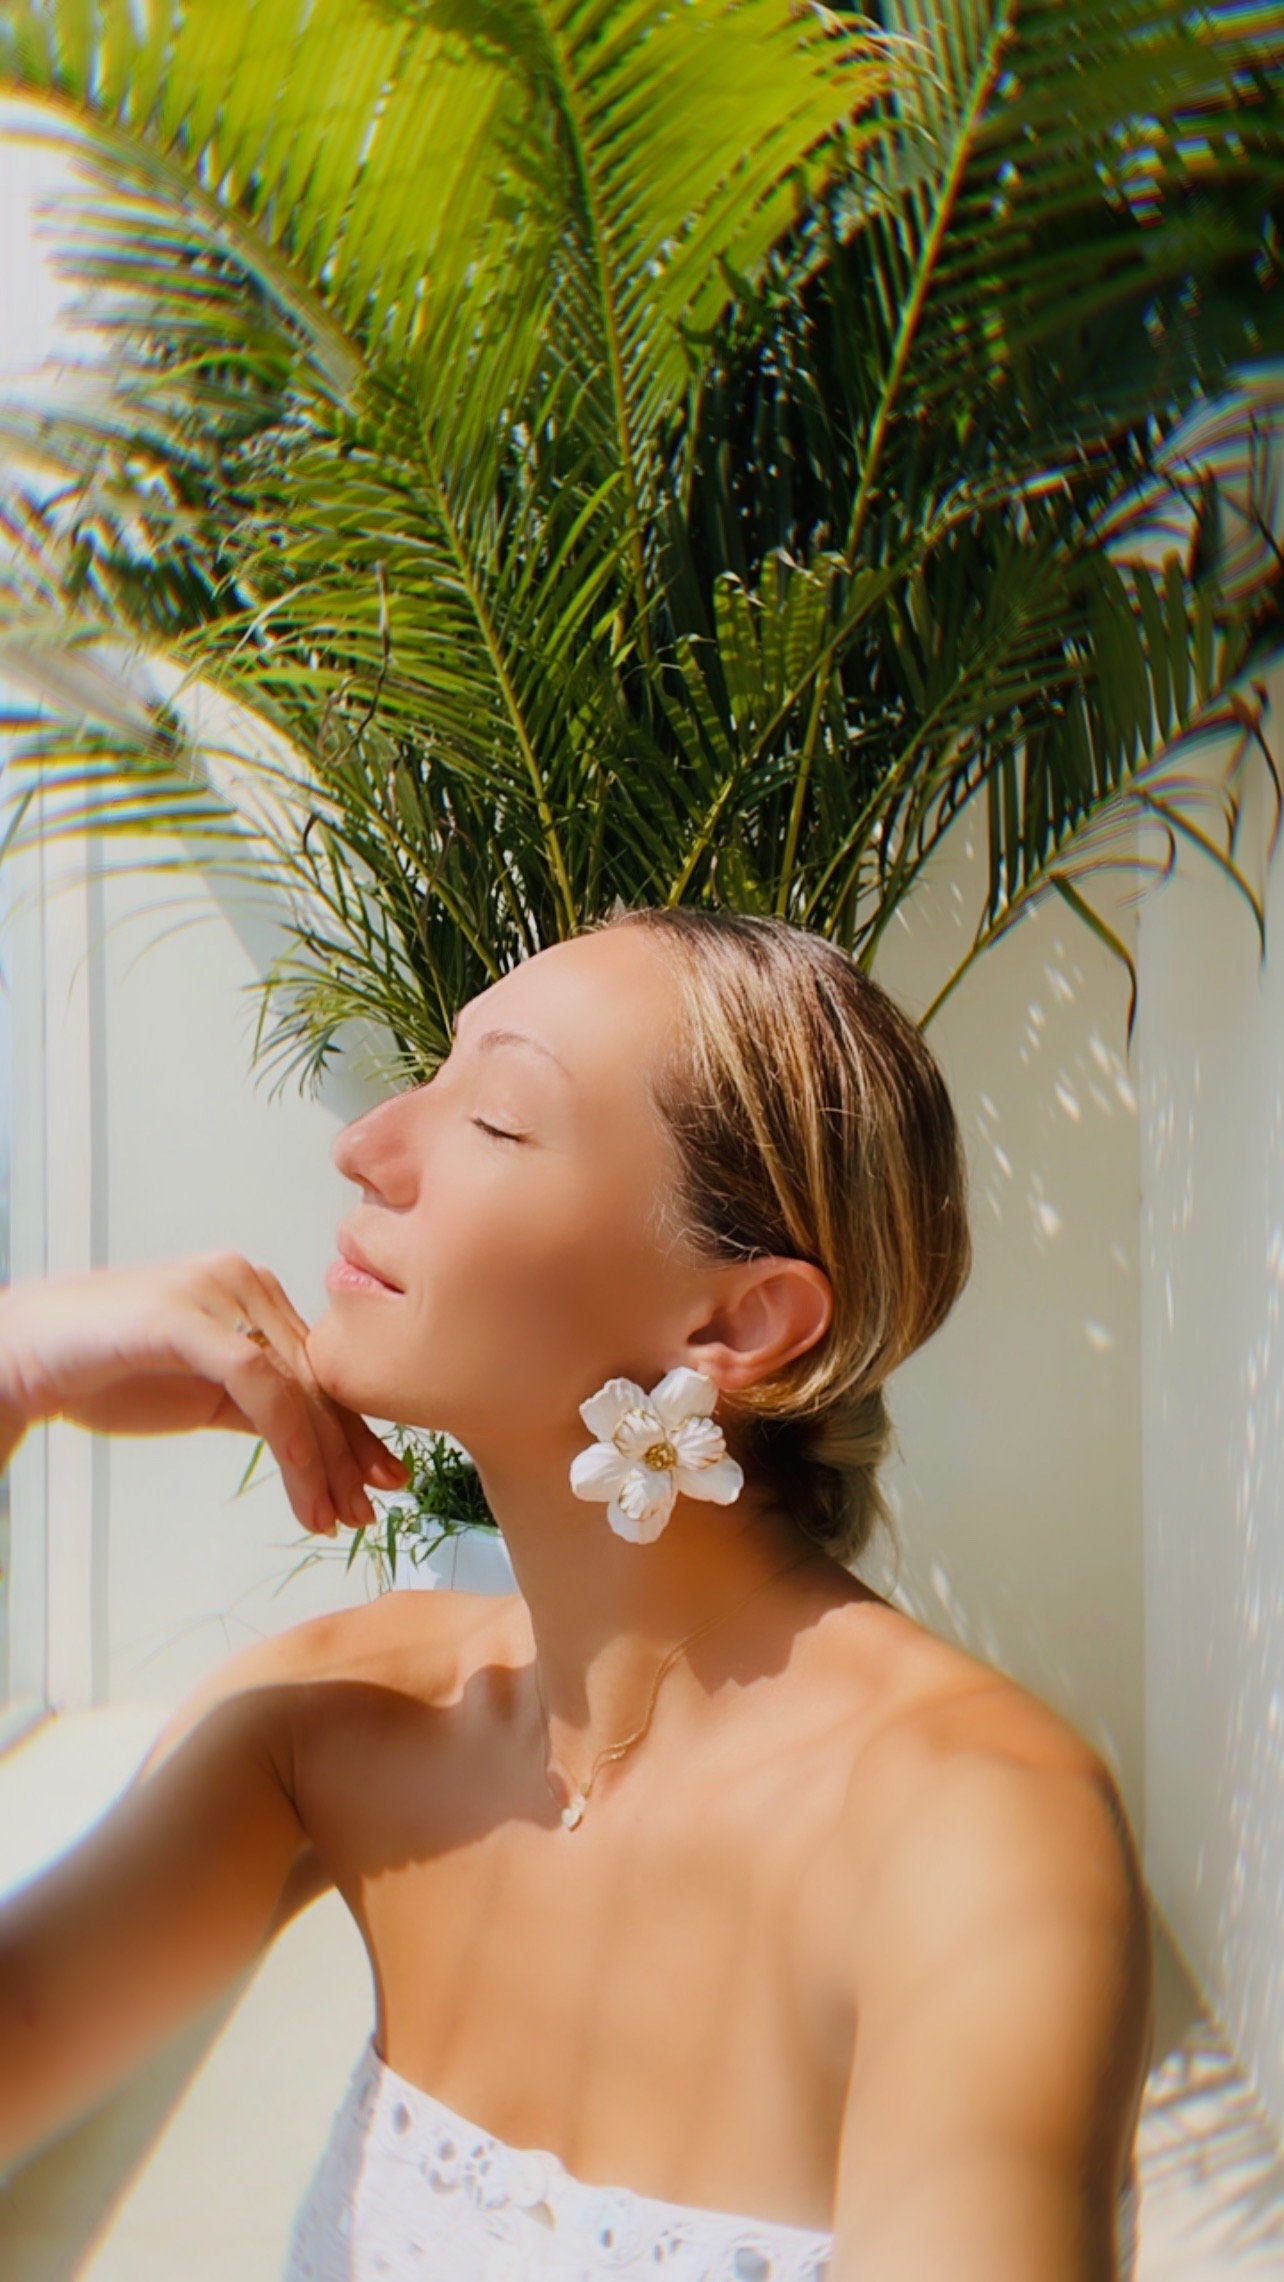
(572, 1814)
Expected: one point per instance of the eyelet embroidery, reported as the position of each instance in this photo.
(408, 2189)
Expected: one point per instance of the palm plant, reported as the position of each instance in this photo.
(600, 450)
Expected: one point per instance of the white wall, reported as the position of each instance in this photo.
(1212, 1430)
(1020, 1488)
(192, 1154)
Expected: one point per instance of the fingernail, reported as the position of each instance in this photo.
(389, 1471)
(325, 1517)
(360, 1509)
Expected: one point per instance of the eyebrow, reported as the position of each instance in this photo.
(513, 1037)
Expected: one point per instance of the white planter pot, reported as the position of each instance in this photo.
(470, 1561)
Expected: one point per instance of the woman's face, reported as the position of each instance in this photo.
(512, 1202)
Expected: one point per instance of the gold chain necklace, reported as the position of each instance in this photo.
(572, 1814)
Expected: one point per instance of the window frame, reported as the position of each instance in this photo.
(57, 1481)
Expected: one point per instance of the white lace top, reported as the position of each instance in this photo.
(407, 2190)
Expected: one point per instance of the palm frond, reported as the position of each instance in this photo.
(593, 449)
(357, 162)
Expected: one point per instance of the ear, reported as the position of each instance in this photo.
(768, 1311)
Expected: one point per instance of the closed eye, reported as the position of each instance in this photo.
(498, 1131)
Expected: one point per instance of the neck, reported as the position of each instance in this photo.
(602, 1613)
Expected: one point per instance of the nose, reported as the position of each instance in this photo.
(373, 1150)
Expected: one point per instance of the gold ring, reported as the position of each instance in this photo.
(252, 1331)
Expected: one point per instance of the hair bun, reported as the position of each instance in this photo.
(853, 1435)
(825, 1463)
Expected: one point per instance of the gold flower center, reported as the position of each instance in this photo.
(660, 1457)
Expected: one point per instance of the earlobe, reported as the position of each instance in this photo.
(773, 1311)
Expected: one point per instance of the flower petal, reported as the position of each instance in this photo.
(642, 1507)
(642, 1488)
(682, 1394)
(698, 1442)
(638, 1431)
(598, 1471)
(603, 1411)
(722, 1483)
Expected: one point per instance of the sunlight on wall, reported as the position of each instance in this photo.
(1212, 1107)
(1019, 1489)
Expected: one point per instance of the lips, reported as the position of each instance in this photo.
(356, 1258)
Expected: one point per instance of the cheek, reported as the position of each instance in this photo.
(533, 1254)
(528, 1282)
(550, 1272)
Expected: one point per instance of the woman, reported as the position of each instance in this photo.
(723, 1921)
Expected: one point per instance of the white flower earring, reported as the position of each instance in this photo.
(649, 1447)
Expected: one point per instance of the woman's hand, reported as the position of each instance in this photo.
(156, 1350)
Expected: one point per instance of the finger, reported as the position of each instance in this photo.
(265, 1304)
(385, 1467)
(266, 1392)
(375, 1461)
(280, 1298)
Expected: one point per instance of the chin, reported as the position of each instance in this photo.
(340, 1364)
(325, 1346)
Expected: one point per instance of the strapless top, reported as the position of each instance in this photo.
(407, 2190)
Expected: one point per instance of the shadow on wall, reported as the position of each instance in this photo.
(1213, 2180)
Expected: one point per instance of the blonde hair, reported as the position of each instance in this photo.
(812, 1121)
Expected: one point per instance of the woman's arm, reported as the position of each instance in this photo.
(161, 1349)
(202, 1860)
(167, 1899)
(1004, 2004)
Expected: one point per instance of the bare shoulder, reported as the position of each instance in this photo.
(989, 1841)
(955, 1740)
(933, 1707)
(290, 1690)
(402, 1639)
(1001, 1976)
(367, 1641)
